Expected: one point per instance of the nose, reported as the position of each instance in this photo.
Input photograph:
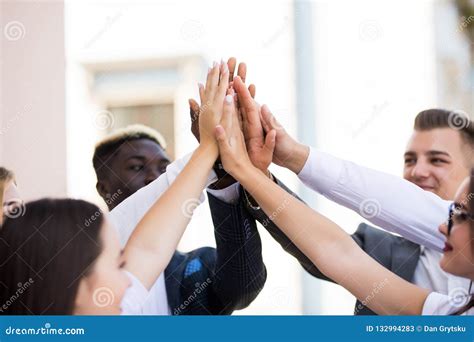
(420, 170)
(152, 174)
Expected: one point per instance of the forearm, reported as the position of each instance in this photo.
(388, 201)
(332, 250)
(159, 231)
(127, 214)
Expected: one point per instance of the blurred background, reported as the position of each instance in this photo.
(347, 77)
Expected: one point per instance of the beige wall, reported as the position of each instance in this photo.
(32, 114)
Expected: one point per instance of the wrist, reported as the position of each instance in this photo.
(298, 158)
(207, 152)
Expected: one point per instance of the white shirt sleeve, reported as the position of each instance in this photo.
(228, 195)
(385, 200)
(134, 299)
(439, 304)
(127, 214)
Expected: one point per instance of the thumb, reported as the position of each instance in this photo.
(221, 137)
(270, 141)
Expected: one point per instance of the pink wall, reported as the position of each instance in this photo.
(32, 96)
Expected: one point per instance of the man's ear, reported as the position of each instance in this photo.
(102, 190)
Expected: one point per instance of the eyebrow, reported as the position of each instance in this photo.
(434, 152)
(135, 157)
(430, 153)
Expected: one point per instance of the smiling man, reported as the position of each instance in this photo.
(438, 158)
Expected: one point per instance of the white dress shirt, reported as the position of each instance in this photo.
(125, 218)
(400, 207)
(439, 304)
(395, 204)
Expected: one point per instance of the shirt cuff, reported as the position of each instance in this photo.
(321, 171)
(228, 195)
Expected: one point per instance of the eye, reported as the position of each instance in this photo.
(136, 167)
(438, 161)
(409, 161)
(122, 264)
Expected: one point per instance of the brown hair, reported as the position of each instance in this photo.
(45, 253)
(441, 118)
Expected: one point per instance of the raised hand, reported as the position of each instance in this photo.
(260, 147)
(212, 98)
(194, 107)
(232, 148)
(287, 152)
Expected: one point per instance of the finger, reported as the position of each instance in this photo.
(231, 63)
(266, 127)
(228, 113)
(222, 141)
(201, 93)
(212, 81)
(269, 119)
(242, 71)
(247, 103)
(270, 141)
(252, 90)
(223, 83)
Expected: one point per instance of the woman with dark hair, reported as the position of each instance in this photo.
(63, 257)
(336, 254)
